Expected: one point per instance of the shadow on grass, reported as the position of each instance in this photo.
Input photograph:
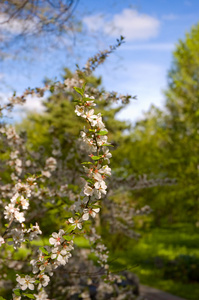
(148, 257)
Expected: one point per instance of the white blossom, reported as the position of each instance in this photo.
(88, 191)
(19, 216)
(18, 237)
(90, 103)
(10, 209)
(34, 231)
(2, 241)
(51, 164)
(57, 238)
(100, 187)
(14, 155)
(41, 296)
(28, 163)
(90, 211)
(44, 280)
(23, 188)
(76, 222)
(107, 155)
(99, 122)
(89, 115)
(102, 139)
(79, 110)
(61, 255)
(11, 132)
(24, 202)
(25, 282)
(105, 170)
(46, 174)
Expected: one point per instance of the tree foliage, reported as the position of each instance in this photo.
(165, 143)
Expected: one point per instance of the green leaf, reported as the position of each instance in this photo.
(1, 298)
(76, 100)
(107, 145)
(102, 132)
(37, 281)
(52, 88)
(84, 177)
(31, 296)
(79, 91)
(87, 179)
(17, 292)
(96, 206)
(87, 99)
(70, 228)
(84, 85)
(43, 250)
(90, 181)
(86, 163)
(96, 157)
(67, 237)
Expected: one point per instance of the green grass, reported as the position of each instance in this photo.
(166, 243)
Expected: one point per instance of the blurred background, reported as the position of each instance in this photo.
(155, 135)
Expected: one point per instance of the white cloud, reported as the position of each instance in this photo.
(16, 26)
(130, 23)
(32, 104)
(94, 22)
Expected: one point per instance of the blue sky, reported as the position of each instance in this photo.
(139, 67)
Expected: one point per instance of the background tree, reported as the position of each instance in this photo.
(165, 143)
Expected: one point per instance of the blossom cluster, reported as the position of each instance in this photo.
(49, 258)
(94, 187)
(19, 201)
(84, 205)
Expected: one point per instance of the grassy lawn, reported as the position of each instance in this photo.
(146, 256)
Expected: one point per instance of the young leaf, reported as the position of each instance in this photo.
(87, 99)
(96, 157)
(108, 145)
(31, 296)
(84, 177)
(43, 250)
(52, 88)
(83, 88)
(78, 101)
(90, 181)
(96, 206)
(16, 292)
(102, 132)
(70, 228)
(67, 237)
(79, 91)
